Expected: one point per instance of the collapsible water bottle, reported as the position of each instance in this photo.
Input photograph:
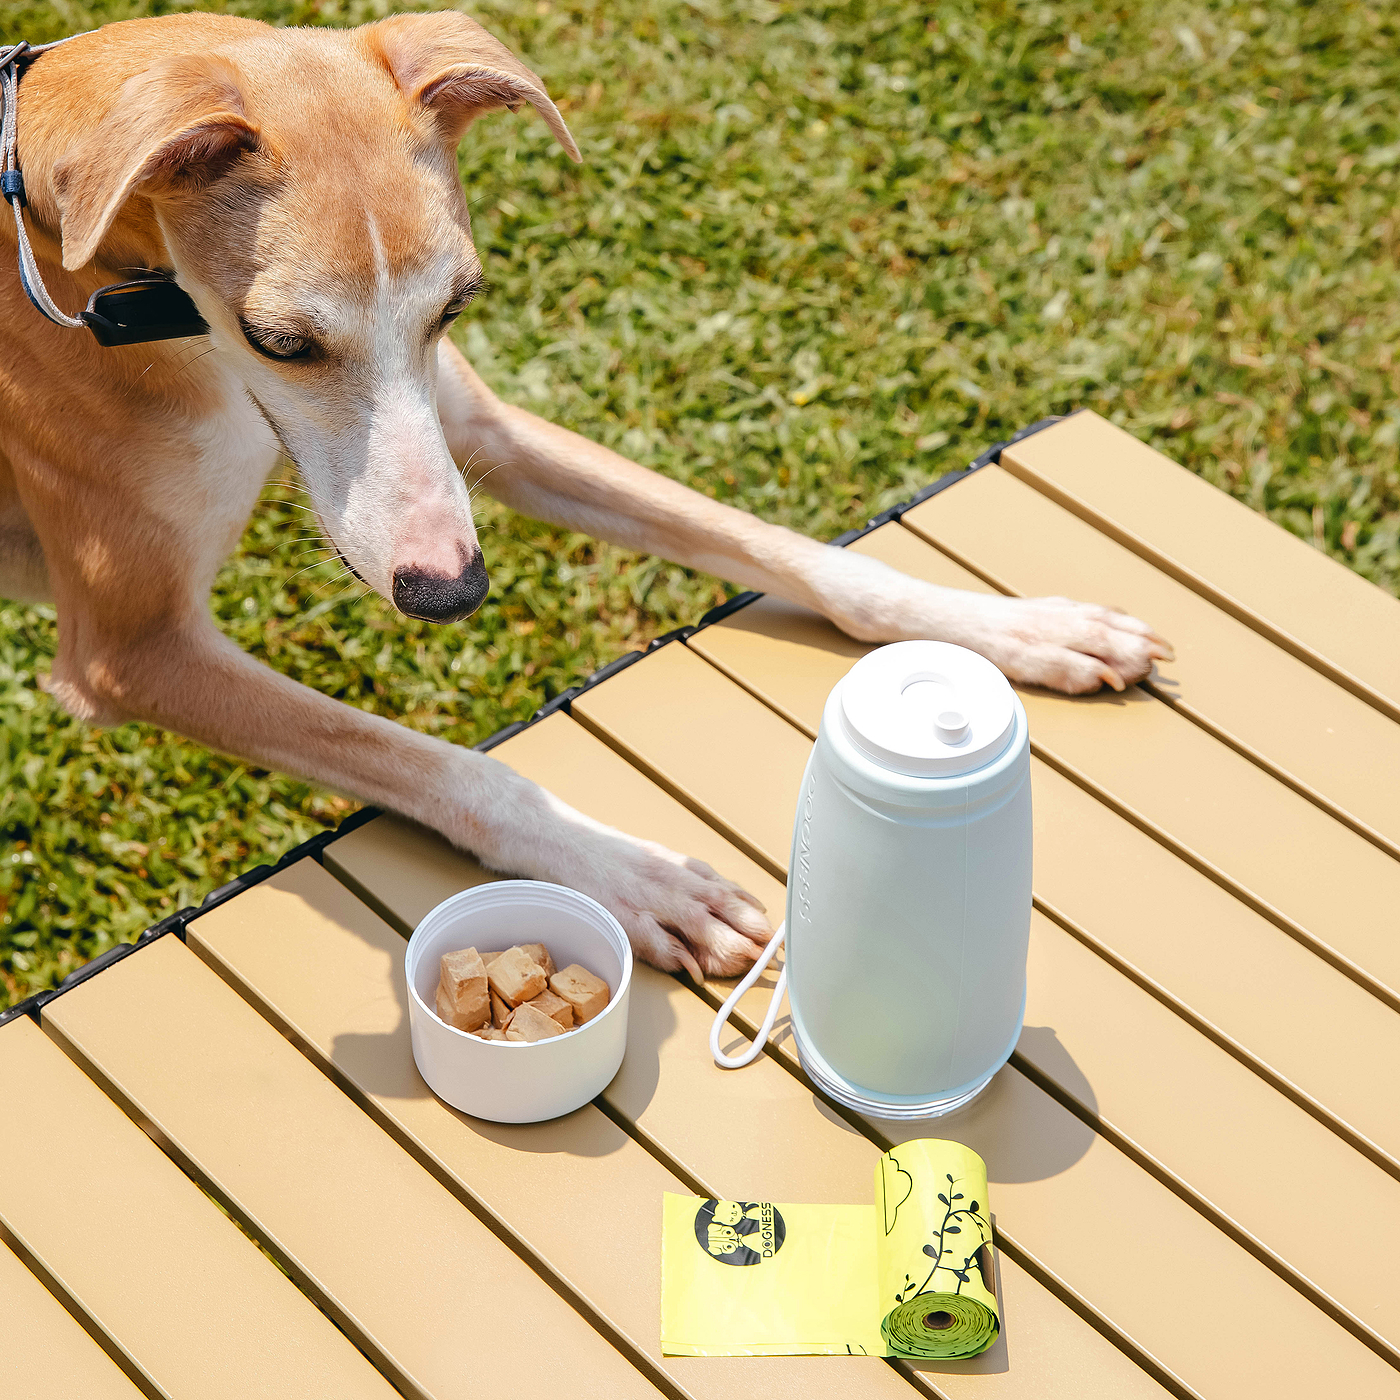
(909, 888)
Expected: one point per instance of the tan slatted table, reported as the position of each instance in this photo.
(1206, 1074)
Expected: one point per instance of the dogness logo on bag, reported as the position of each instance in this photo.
(739, 1232)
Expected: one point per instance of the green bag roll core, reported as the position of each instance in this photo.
(912, 1275)
(939, 1327)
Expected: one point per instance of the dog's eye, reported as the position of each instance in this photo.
(451, 311)
(277, 345)
(459, 304)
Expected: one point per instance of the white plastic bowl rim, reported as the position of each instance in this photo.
(505, 893)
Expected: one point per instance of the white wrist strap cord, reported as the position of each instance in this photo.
(761, 1039)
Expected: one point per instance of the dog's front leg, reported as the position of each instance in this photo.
(552, 474)
(192, 679)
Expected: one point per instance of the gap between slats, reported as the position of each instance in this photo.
(91, 1327)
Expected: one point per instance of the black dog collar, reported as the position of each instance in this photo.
(128, 313)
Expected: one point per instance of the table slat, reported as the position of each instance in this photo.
(701, 711)
(141, 1251)
(45, 1353)
(443, 1306)
(803, 1153)
(329, 973)
(1339, 750)
(1307, 602)
(1307, 1026)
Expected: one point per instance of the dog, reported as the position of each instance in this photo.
(301, 185)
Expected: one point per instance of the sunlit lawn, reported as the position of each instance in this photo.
(817, 255)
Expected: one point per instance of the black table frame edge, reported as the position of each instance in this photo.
(177, 922)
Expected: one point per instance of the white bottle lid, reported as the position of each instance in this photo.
(927, 709)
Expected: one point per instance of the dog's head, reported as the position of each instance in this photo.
(305, 184)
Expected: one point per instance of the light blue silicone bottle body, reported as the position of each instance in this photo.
(908, 919)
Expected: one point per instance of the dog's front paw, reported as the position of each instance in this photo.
(678, 912)
(1064, 645)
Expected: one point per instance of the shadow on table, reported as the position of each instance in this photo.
(1040, 1047)
(1015, 1126)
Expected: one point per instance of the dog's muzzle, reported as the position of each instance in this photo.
(436, 598)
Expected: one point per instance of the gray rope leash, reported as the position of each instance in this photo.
(12, 181)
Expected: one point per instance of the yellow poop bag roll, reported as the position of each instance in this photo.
(934, 1263)
(912, 1275)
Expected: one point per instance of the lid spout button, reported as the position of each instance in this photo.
(951, 726)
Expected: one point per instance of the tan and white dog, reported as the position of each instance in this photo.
(302, 186)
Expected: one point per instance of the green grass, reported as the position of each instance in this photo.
(818, 254)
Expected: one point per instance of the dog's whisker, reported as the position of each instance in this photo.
(331, 583)
(196, 353)
(474, 485)
(186, 365)
(314, 564)
(466, 466)
(293, 490)
(291, 505)
(178, 368)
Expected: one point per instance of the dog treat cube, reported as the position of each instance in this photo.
(530, 1023)
(515, 977)
(555, 1007)
(444, 1006)
(541, 955)
(462, 990)
(489, 1033)
(587, 994)
(500, 1012)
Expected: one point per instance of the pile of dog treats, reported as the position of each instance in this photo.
(517, 994)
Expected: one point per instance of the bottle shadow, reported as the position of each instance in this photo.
(1017, 1124)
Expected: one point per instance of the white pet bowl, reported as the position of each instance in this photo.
(516, 1081)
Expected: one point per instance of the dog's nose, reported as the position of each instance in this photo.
(437, 598)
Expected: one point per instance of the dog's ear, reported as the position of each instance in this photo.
(450, 65)
(172, 130)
